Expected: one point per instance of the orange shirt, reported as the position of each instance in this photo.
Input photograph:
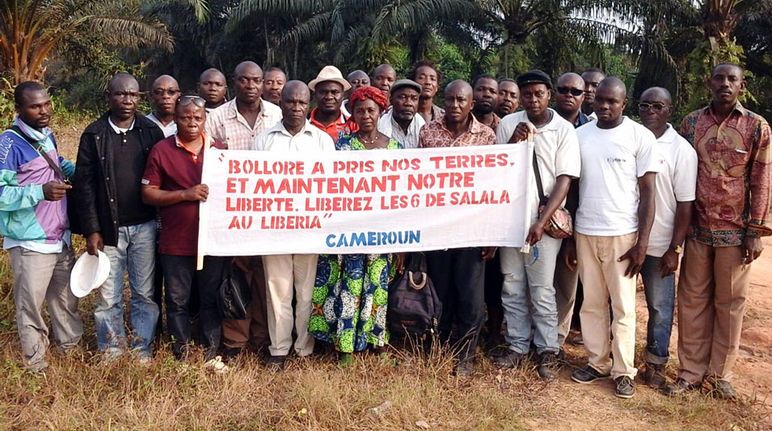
(336, 129)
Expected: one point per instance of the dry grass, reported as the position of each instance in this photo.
(78, 393)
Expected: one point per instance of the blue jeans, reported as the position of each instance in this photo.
(136, 252)
(660, 300)
(528, 297)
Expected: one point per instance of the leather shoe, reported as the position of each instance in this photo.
(680, 387)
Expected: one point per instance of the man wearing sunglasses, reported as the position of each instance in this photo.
(674, 196)
(163, 96)
(172, 182)
(111, 159)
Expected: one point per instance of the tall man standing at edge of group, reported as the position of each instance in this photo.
(616, 211)
(35, 229)
(458, 273)
(592, 78)
(528, 293)
(509, 97)
(402, 122)
(212, 88)
(163, 95)
(674, 200)
(734, 175)
(237, 123)
(111, 160)
(172, 181)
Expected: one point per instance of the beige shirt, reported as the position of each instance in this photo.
(310, 138)
(390, 128)
(228, 125)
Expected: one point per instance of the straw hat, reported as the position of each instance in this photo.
(329, 73)
(89, 273)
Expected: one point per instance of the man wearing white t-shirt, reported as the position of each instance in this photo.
(616, 211)
(676, 184)
(528, 293)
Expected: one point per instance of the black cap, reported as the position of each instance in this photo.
(534, 77)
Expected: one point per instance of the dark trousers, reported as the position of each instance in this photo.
(179, 276)
(494, 280)
(458, 278)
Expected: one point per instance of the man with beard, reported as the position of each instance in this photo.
(211, 87)
(509, 97)
(164, 95)
(401, 122)
(426, 73)
(274, 81)
(486, 95)
(592, 78)
(383, 77)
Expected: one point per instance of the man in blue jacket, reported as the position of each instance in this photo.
(33, 222)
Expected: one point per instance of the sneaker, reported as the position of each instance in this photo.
(586, 375)
(548, 366)
(510, 359)
(680, 387)
(654, 376)
(216, 366)
(722, 389)
(625, 387)
(276, 363)
(464, 369)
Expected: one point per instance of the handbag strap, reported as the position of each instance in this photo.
(57, 170)
(542, 198)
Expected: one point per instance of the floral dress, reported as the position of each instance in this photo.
(351, 291)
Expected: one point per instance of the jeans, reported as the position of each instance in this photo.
(136, 252)
(179, 275)
(660, 300)
(528, 296)
(458, 276)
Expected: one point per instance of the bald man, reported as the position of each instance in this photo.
(613, 222)
(212, 88)
(458, 273)
(163, 97)
(383, 78)
(111, 160)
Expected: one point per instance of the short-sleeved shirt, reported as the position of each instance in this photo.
(675, 183)
(436, 134)
(556, 147)
(612, 161)
(310, 138)
(171, 167)
(228, 125)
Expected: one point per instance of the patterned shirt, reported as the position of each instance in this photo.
(228, 125)
(436, 134)
(733, 176)
(336, 129)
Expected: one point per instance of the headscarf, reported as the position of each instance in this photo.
(368, 92)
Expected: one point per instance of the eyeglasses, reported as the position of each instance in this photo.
(574, 91)
(656, 107)
(198, 101)
(162, 91)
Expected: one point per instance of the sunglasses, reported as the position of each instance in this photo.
(656, 107)
(198, 101)
(162, 91)
(574, 91)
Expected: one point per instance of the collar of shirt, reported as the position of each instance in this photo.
(38, 135)
(279, 128)
(233, 112)
(668, 137)
(120, 130)
(341, 120)
(475, 127)
(208, 142)
(738, 108)
(581, 119)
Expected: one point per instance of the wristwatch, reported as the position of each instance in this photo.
(677, 249)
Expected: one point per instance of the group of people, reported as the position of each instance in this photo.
(641, 195)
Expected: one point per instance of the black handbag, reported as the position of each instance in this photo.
(234, 295)
(414, 307)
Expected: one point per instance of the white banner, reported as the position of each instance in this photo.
(364, 201)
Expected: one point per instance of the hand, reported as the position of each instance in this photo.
(55, 190)
(196, 193)
(751, 248)
(669, 263)
(488, 253)
(569, 254)
(399, 262)
(636, 255)
(535, 233)
(521, 133)
(93, 243)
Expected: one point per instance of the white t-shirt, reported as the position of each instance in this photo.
(169, 129)
(676, 182)
(310, 138)
(612, 162)
(556, 147)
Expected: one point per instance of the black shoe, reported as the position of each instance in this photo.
(548, 366)
(229, 354)
(510, 359)
(625, 387)
(654, 376)
(276, 363)
(722, 389)
(587, 375)
(680, 387)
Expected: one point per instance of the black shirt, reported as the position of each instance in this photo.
(129, 165)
